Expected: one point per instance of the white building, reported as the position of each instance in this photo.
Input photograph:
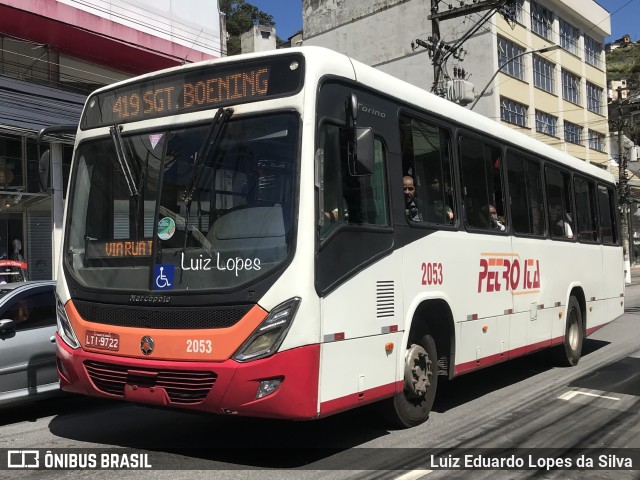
(558, 97)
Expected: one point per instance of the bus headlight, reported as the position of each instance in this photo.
(65, 330)
(267, 338)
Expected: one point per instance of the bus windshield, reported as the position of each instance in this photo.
(148, 214)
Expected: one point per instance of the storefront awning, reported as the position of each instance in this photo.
(31, 107)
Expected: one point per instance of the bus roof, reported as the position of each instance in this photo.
(323, 61)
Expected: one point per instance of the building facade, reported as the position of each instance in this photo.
(543, 68)
(53, 53)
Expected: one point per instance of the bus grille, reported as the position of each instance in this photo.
(182, 387)
(161, 317)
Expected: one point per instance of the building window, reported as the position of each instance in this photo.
(515, 11)
(569, 36)
(572, 133)
(570, 87)
(592, 51)
(594, 98)
(543, 76)
(513, 112)
(506, 53)
(596, 141)
(541, 20)
(546, 123)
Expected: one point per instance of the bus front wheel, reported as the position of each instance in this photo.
(412, 406)
(568, 354)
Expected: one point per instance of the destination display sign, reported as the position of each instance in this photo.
(98, 249)
(199, 88)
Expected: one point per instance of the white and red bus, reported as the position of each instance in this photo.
(236, 241)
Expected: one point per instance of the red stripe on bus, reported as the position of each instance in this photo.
(510, 354)
(356, 399)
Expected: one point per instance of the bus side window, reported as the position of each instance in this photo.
(350, 199)
(481, 167)
(608, 219)
(525, 194)
(586, 209)
(560, 210)
(426, 157)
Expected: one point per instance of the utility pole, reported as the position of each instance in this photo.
(623, 195)
(439, 51)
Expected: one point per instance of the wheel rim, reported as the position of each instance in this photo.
(417, 372)
(574, 331)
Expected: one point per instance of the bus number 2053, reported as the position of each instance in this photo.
(432, 274)
(199, 346)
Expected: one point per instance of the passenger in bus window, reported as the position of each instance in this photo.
(561, 224)
(567, 230)
(411, 206)
(495, 222)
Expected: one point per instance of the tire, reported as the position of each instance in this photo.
(412, 406)
(568, 354)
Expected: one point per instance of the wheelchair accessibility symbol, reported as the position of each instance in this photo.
(163, 276)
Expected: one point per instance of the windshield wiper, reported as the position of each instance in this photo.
(209, 145)
(125, 166)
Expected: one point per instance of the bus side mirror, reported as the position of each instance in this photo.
(363, 163)
(43, 171)
(7, 326)
(360, 141)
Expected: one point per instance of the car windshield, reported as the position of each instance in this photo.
(194, 208)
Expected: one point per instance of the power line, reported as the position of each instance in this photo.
(170, 23)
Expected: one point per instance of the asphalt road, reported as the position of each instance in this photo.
(525, 404)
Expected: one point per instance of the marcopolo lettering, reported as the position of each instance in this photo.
(155, 299)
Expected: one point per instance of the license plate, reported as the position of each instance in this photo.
(102, 340)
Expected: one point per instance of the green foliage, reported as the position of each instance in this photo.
(240, 16)
(624, 63)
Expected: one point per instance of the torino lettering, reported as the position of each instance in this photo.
(508, 273)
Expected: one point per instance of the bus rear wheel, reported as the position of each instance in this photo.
(412, 406)
(568, 354)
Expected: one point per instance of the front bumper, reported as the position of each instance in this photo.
(226, 387)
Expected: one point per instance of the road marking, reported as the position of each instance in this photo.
(412, 475)
(572, 393)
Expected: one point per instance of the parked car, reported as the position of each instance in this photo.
(27, 341)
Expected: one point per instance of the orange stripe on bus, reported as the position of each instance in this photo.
(525, 292)
(172, 344)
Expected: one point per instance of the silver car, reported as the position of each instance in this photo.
(27, 341)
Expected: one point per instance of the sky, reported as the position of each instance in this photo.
(625, 16)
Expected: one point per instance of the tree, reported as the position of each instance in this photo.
(240, 17)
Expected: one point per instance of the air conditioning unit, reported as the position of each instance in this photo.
(460, 91)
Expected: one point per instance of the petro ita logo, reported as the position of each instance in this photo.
(147, 345)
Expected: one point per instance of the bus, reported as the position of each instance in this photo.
(236, 241)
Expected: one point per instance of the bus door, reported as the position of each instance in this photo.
(612, 273)
(530, 329)
(357, 274)
(487, 251)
